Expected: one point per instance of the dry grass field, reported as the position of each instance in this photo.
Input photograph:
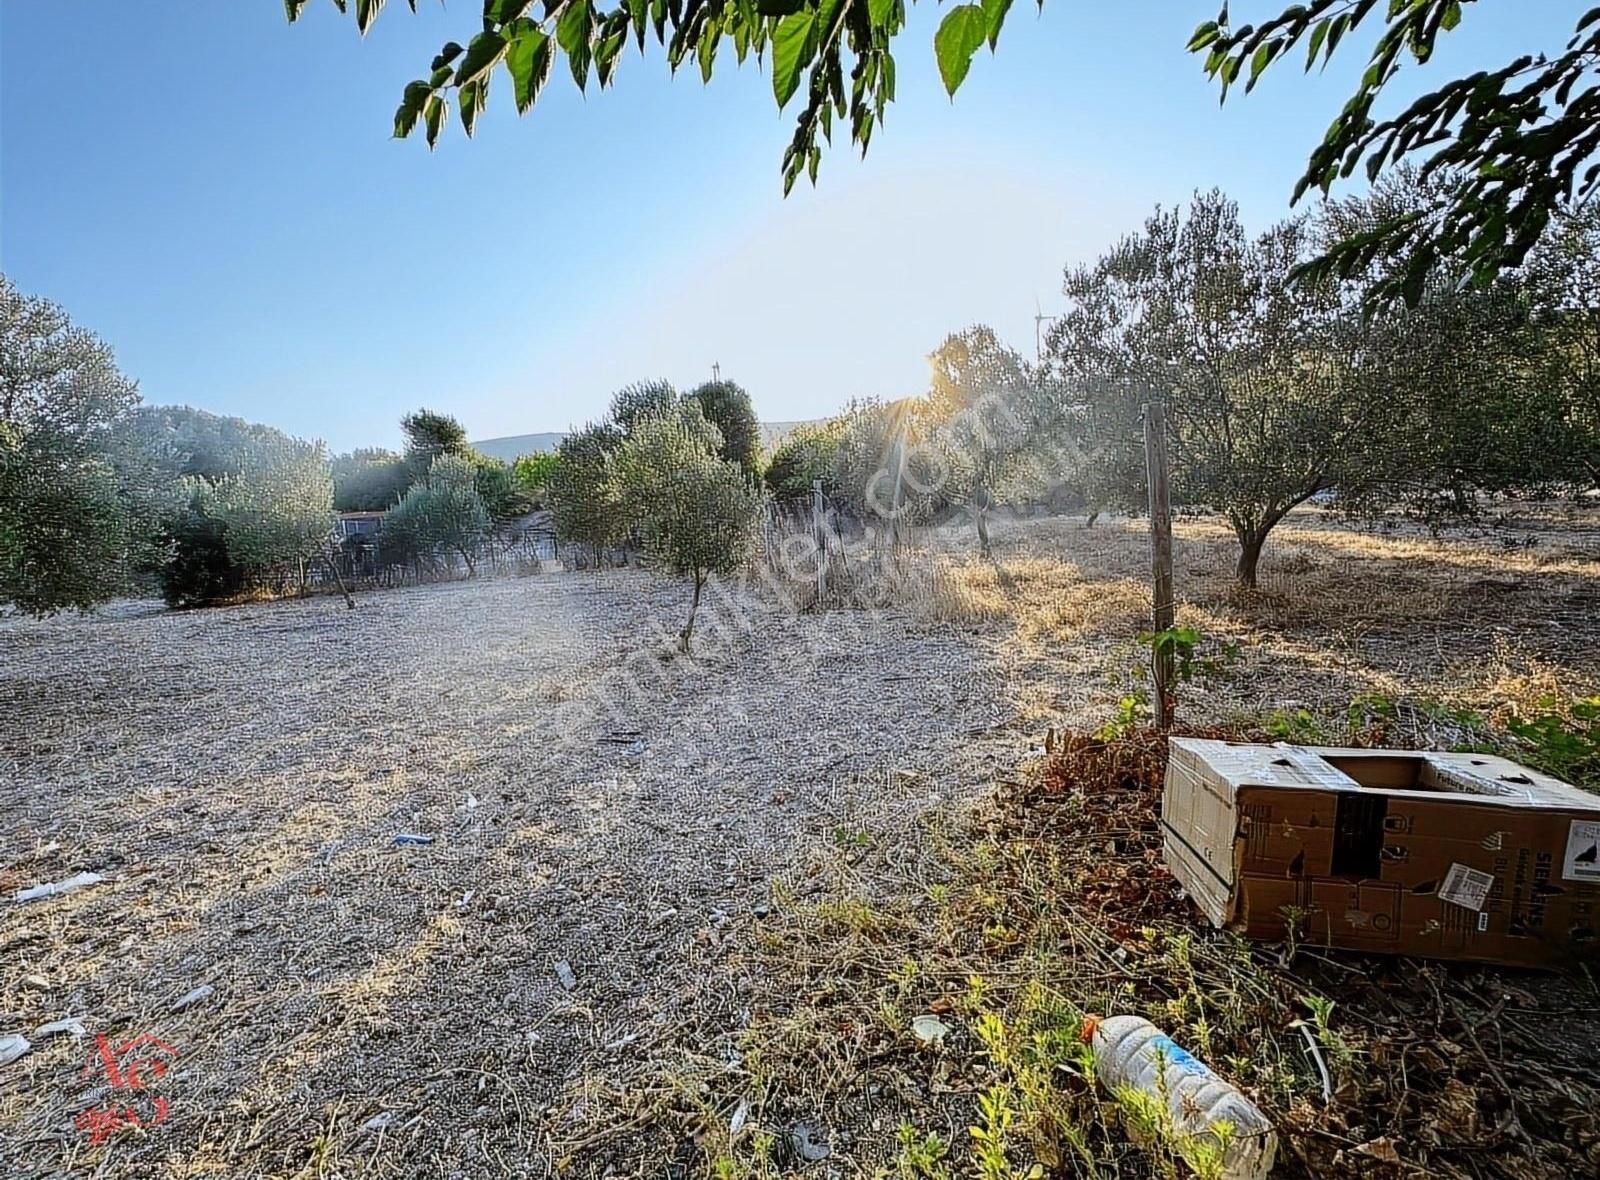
(1491, 618)
(572, 977)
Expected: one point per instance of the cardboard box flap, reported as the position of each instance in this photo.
(1487, 774)
(1234, 765)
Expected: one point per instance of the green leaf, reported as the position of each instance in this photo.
(501, 11)
(793, 45)
(405, 119)
(994, 12)
(528, 60)
(1340, 24)
(367, 12)
(482, 54)
(879, 11)
(707, 54)
(470, 101)
(780, 7)
(1204, 34)
(1318, 35)
(963, 29)
(573, 32)
(605, 55)
(433, 114)
(445, 56)
(1261, 59)
(639, 14)
(1451, 17)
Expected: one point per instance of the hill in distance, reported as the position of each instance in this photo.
(514, 446)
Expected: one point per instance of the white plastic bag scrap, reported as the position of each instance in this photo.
(13, 1047)
(52, 888)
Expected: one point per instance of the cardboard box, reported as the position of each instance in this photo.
(1453, 856)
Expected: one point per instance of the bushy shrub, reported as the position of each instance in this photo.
(369, 479)
(268, 516)
(534, 475)
(808, 453)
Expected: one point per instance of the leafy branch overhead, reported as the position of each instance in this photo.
(834, 54)
(1515, 143)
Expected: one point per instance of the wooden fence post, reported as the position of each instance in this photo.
(1155, 460)
(820, 534)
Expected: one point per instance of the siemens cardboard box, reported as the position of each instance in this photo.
(1453, 856)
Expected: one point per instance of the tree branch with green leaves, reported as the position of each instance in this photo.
(834, 54)
(1514, 144)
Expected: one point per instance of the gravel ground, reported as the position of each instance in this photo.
(238, 775)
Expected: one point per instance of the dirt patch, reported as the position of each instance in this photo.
(740, 859)
(238, 776)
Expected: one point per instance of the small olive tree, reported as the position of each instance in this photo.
(430, 434)
(442, 514)
(584, 493)
(696, 512)
(369, 479)
(277, 509)
(887, 468)
(807, 454)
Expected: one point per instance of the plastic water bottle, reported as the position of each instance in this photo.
(1131, 1052)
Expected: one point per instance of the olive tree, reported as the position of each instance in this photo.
(585, 497)
(1562, 284)
(978, 396)
(806, 455)
(640, 400)
(369, 479)
(278, 508)
(1275, 392)
(886, 466)
(728, 407)
(430, 434)
(697, 513)
(73, 512)
(441, 515)
(254, 504)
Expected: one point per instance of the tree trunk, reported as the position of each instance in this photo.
(1094, 515)
(694, 605)
(1250, 542)
(982, 516)
(332, 559)
(1252, 537)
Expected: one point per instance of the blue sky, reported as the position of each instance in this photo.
(216, 193)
